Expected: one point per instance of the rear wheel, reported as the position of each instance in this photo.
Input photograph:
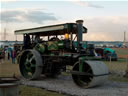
(30, 64)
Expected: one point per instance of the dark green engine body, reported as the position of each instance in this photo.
(57, 55)
(51, 56)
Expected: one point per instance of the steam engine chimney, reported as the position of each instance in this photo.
(79, 34)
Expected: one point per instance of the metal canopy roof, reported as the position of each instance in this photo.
(60, 29)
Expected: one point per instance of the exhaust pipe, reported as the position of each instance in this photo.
(79, 34)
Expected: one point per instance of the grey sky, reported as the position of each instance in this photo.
(34, 16)
(104, 20)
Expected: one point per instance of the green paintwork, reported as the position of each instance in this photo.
(81, 62)
(52, 45)
(84, 44)
(92, 58)
(40, 48)
(28, 65)
(109, 50)
(66, 54)
(60, 44)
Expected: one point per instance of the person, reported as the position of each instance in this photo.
(27, 41)
(2, 55)
(37, 39)
(9, 52)
(13, 55)
(8, 55)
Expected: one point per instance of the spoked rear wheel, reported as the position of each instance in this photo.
(30, 64)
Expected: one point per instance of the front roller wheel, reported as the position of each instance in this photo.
(93, 73)
(30, 64)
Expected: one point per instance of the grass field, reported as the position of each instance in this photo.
(120, 65)
(121, 51)
(7, 69)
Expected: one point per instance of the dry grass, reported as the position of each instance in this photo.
(32, 91)
(120, 65)
(7, 69)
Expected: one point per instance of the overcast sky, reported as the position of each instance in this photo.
(105, 20)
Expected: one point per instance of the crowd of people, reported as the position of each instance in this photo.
(8, 53)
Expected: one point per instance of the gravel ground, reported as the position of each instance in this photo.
(65, 84)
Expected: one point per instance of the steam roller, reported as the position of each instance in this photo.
(51, 56)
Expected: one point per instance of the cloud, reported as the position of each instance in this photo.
(34, 16)
(7, 0)
(87, 4)
(106, 28)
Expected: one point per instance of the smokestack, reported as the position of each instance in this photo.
(79, 33)
(124, 43)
